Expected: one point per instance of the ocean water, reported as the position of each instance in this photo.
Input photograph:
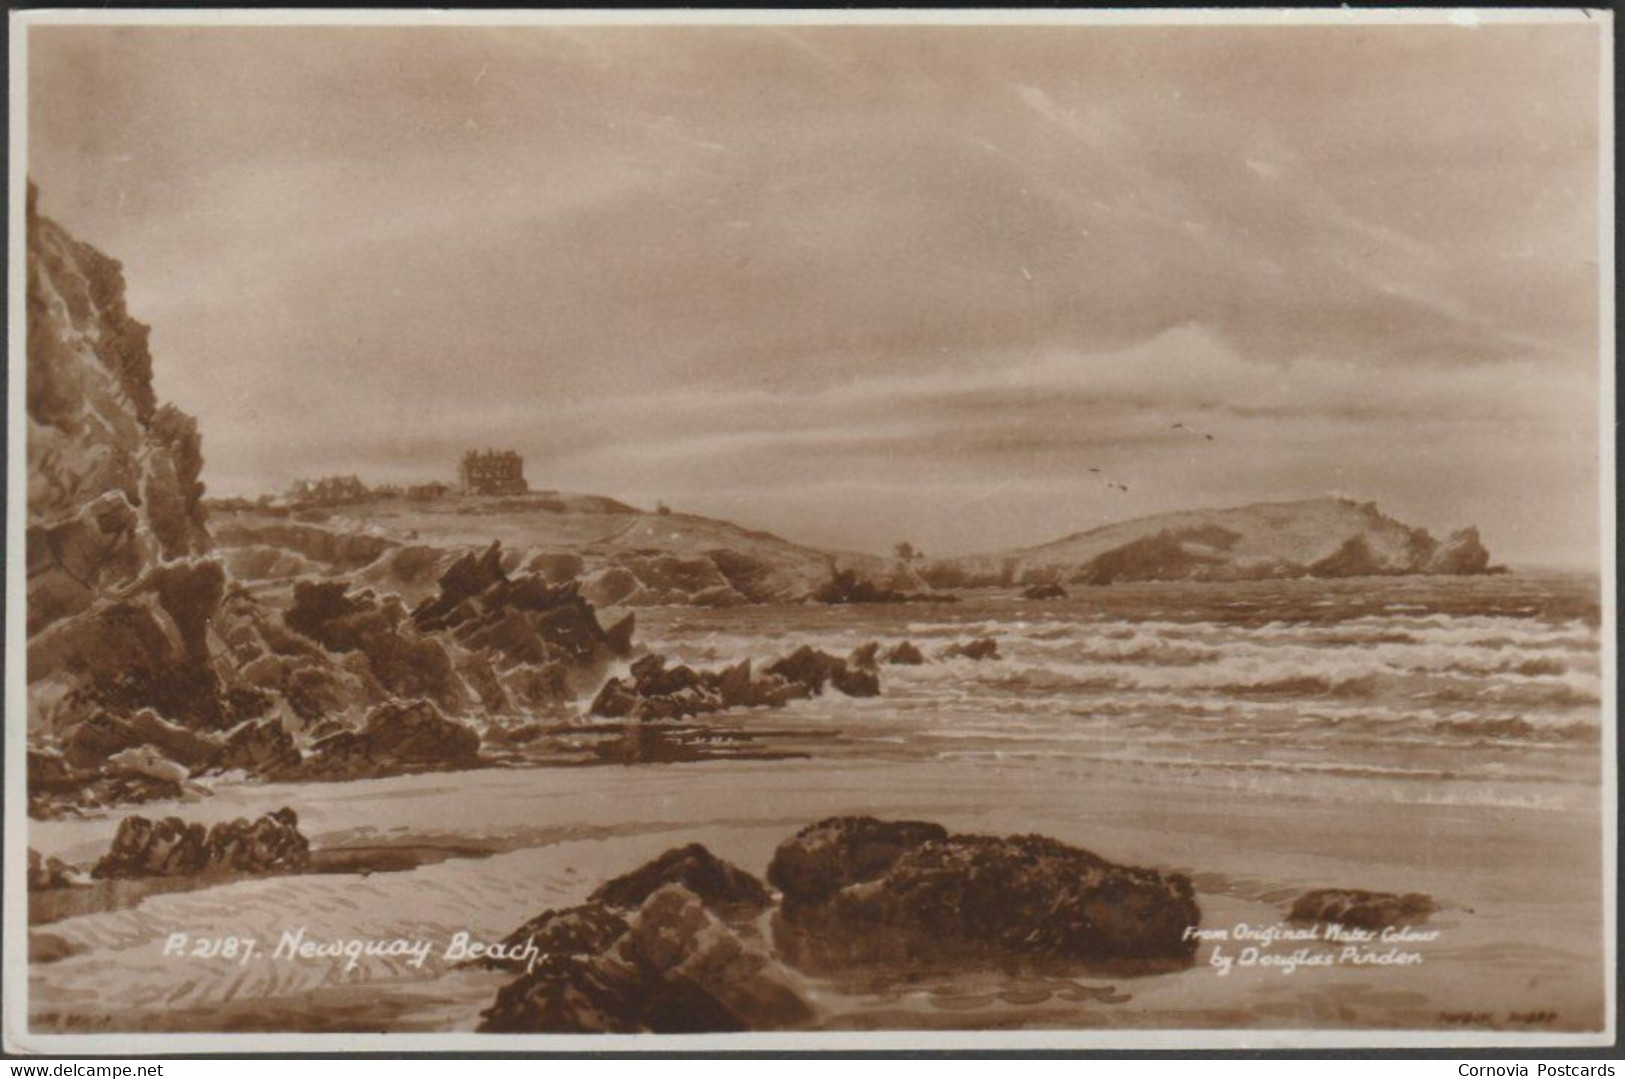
(1476, 688)
(1265, 738)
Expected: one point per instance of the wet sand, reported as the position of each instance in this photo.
(1519, 887)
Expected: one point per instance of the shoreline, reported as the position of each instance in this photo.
(1500, 875)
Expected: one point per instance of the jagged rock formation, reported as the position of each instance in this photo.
(172, 848)
(407, 736)
(655, 691)
(113, 474)
(122, 592)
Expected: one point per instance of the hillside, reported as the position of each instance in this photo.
(1323, 537)
(622, 556)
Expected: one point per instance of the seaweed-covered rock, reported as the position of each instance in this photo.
(981, 897)
(721, 886)
(1360, 909)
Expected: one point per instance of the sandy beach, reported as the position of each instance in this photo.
(1519, 890)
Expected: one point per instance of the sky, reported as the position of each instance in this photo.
(860, 284)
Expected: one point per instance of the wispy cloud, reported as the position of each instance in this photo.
(853, 282)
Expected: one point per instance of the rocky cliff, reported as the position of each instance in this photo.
(152, 664)
(113, 474)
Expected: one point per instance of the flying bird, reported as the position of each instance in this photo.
(1180, 426)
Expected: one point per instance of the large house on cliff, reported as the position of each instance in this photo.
(493, 472)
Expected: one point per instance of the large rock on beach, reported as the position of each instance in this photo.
(906, 894)
(171, 847)
(676, 969)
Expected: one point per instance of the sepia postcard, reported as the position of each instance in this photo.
(774, 530)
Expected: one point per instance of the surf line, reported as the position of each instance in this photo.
(293, 945)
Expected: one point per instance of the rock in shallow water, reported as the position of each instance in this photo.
(980, 648)
(825, 857)
(173, 848)
(895, 898)
(864, 891)
(1361, 909)
(905, 654)
(655, 691)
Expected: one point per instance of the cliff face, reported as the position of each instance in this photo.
(120, 588)
(150, 665)
(1324, 537)
(113, 484)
